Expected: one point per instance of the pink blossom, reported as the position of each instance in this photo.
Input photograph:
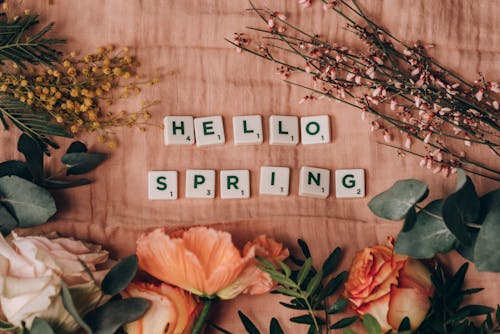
(393, 104)
(479, 94)
(387, 136)
(427, 138)
(408, 142)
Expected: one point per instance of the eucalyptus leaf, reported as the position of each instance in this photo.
(40, 326)
(17, 168)
(6, 326)
(82, 162)
(394, 203)
(120, 276)
(410, 219)
(428, 236)
(33, 153)
(248, 324)
(63, 184)
(487, 245)
(77, 147)
(70, 307)
(106, 319)
(461, 208)
(29, 203)
(7, 221)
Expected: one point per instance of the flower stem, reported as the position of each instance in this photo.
(200, 321)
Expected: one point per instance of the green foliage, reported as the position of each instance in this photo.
(40, 326)
(462, 221)
(448, 314)
(24, 199)
(120, 276)
(309, 289)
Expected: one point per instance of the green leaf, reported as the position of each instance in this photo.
(487, 245)
(81, 163)
(331, 261)
(40, 326)
(475, 310)
(460, 208)
(304, 271)
(428, 236)
(410, 219)
(248, 324)
(7, 222)
(106, 319)
(29, 203)
(333, 285)
(348, 331)
(17, 168)
(394, 203)
(314, 283)
(289, 292)
(404, 325)
(70, 307)
(338, 306)
(286, 269)
(77, 147)
(274, 327)
(371, 324)
(120, 276)
(344, 322)
(33, 153)
(303, 319)
(6, 326)
(305, 249)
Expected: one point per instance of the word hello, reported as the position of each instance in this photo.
(283, 130)
(235, 184)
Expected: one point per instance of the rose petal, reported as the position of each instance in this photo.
(407, 302)
(378, 309)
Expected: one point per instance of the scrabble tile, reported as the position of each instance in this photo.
(350, 183)
(315, 129)
(234, 184)
(200, 183)
(283, 130)
(162, 185)
(314, 182)
(274, 180)
(178, 130)
(209, 131)
(247, 129)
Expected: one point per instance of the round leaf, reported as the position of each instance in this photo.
(40, 326)
(81, 163)
(428, 236)
(77, 147)
(120, 276)
(14, 167)
(487, 249)
(33, 153)
(394, 203)
(7, 222)
(107, 318)
(29, 203)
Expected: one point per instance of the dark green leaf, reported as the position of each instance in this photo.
(428, 236)
(371, 324)
(40, 326)
(288, 292)
(331, 262)
(457, 281)
(63, 184)
(404, 325)
(487, 245)
(333, 285)
(106, 319)
(248, 324)
(306, 319)
(120, 276)
(7, 221)
(304, 271)
(77, 147)
(81, 163)
(314, 283)
(33, 153)
(5, 326)
(338, 306)
(344, 322)
(460, 208)
(348, 331)
(394, 203)
(497, 314)
(17, 168)
(274, 327)
(475, 310)
(70, 307)
(410, 219)
(305, 249)
(29, 203)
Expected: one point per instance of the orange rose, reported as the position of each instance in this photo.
(389, 286)
(203, 261)
(172, 310)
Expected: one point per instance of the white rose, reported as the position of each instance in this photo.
(32, 270)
